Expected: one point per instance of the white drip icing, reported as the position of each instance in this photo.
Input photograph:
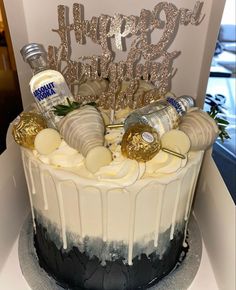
(185, 234)
(173, 220)
(31, 177)
(190, 200)
(196, 170)
(29, 189)
(190, 196)
(45, 199)
(158, 215)
(61, 207)
(185, 244)
(133, 198)
(81, 233)
(104, 215)
(62, 213)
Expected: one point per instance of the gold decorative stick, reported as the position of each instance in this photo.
(173, 153)
(115, 125)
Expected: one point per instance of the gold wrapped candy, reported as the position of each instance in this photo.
(140, 142)
(26, 129)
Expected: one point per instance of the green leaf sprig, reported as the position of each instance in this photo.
(63, 110)
(221, 123)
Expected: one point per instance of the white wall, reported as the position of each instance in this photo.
(214, 206)
(215, 212)
(229, 15)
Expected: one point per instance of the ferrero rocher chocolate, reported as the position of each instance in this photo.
(140, 142)
(26, 129)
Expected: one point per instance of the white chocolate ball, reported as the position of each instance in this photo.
(176, 138)
(47, 140)
(97, 157)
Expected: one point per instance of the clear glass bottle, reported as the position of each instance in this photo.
(48, 86)
(163, 115)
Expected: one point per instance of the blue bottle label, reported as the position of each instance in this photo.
(176, 105)
(45, 91)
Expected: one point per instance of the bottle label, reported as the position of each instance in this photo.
(44, 91)
(162, 115)
(176, 105)
(163, 120)
(49, 91)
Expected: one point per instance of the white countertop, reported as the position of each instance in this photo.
(11, 277)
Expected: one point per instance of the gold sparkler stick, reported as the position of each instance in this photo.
(115, 125)
(173, 153)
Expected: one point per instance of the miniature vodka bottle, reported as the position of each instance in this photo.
(47, 86)
(163, 115)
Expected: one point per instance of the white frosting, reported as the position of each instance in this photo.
(123, 172)
(120, 171)
(164, 163)
(122, 202)
(63, 156)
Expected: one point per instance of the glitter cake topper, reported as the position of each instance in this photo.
(110, 33)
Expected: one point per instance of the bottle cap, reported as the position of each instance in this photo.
(32, 49)
(187, 101)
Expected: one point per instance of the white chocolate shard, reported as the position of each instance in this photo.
(97, 158)
(176, 138)
(47, 141)
(143, 87)
(122, 113)
(170, 94)
(93, 87)
(106, 118)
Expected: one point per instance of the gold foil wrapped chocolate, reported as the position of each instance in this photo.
(140, 142)
(26, 129)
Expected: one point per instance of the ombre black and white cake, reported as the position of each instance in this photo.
(122, 227)
(101, 220)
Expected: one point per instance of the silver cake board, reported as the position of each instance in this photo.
(181, 278)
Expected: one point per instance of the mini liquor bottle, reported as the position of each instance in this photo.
(163, 115)
(48, 86)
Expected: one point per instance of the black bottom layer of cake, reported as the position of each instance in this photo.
(75, 270)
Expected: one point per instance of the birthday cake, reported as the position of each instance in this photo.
(111, 162)
(123, 227)
(110, 206)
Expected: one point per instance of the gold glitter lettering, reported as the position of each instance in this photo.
(119, 29)
(63, 32)
(145, 60)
